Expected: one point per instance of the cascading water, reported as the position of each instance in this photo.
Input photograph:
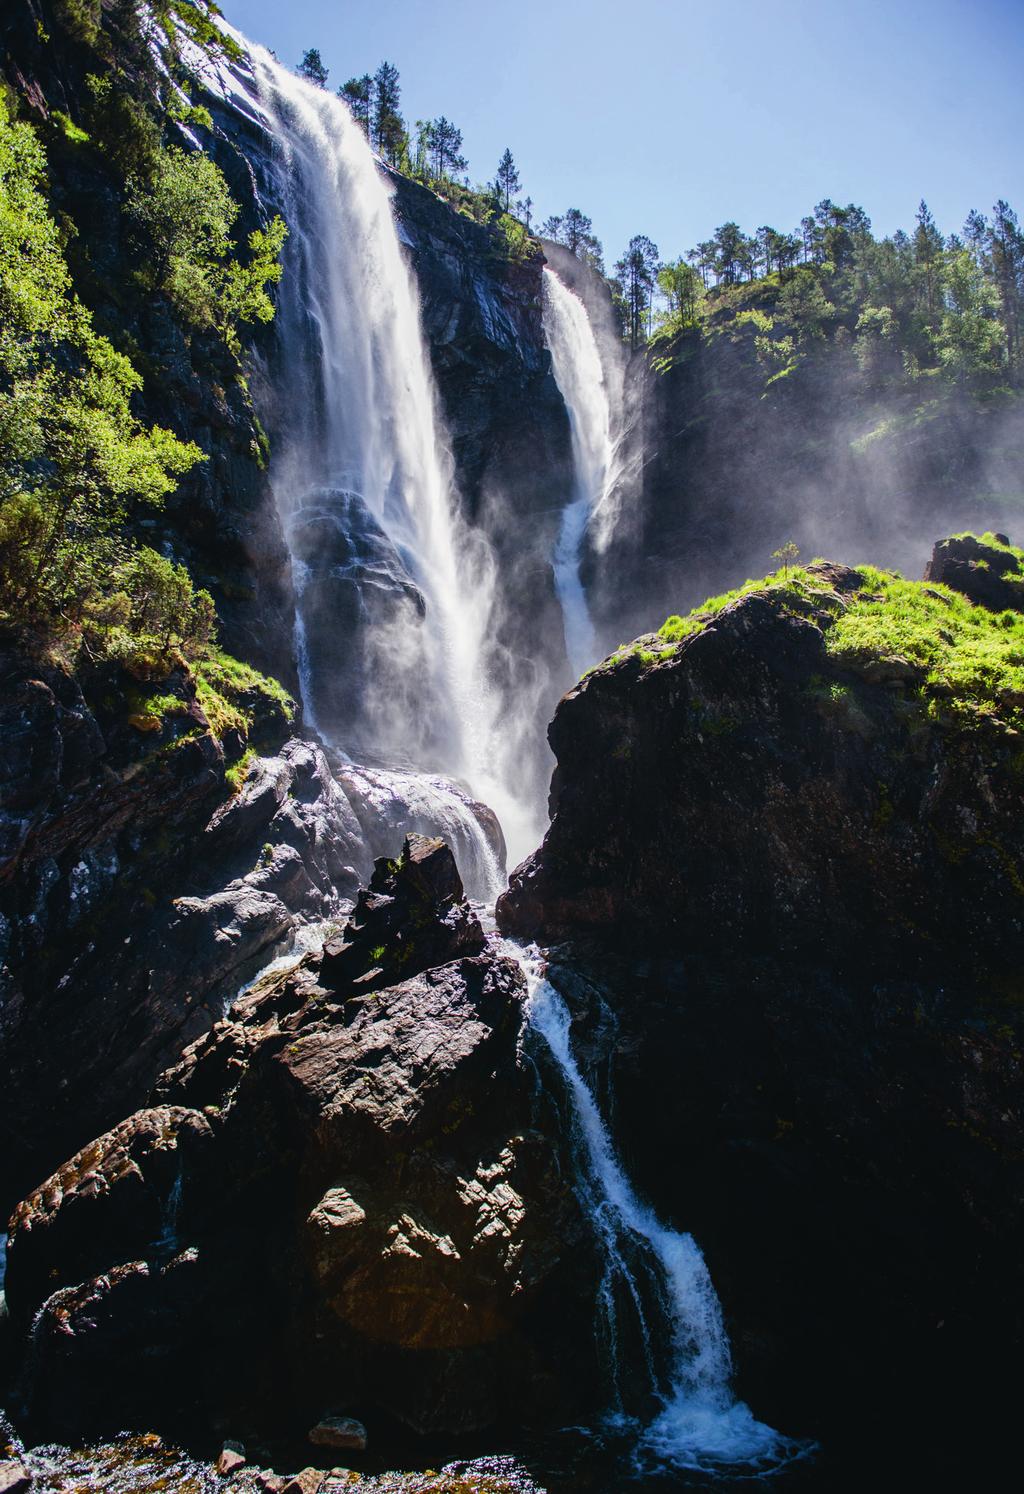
(381, 554)
(393, 586)
(580, 378)
(701, 1424)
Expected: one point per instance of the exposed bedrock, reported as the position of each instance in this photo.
(346, 1199)
(800, 896)
(138, 889)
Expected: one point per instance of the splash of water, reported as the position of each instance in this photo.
(580, 378)
(360, 429)
(701, 1423)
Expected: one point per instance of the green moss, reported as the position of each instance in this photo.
(965, 662)
(238, 771)
(795, 583)
(233, 694)
(971, 660)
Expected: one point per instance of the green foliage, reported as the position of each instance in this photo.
(234, 695)
(122, 127)
(971, 660)
(195, 19)
(73, 457)
(965, 662)
(787, 556)
(185, 213)
(237, 772)
(192, 115)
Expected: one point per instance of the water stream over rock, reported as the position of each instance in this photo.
(580, 377)
(699, 1422)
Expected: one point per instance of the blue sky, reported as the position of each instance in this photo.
(669, 118)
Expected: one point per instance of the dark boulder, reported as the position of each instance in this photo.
(413, 915)
(991, 575)
(368, 1191)
(794, 895)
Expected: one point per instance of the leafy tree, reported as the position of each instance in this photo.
(970, 341)
(164, 607)
(787, 555)
(312, 68)
(507, 180)
(388, 132)
(73, 457)
(730, 243)
(357, 93)
(186, 214)
(636, 271)
(805, 306)
(928, 257)
(682, 288)
(1006, 254)
(575, 230)
(445, 146)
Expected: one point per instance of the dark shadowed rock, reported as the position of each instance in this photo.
(748, 789)
(374, 1169)
(412, 916)
(794, 907)
(339, 1431)
(990, 576)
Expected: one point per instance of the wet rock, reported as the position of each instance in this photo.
(15, 1478)
(339, 1431)
(380, 1157)
(230, 1459)
(412, 916)
(793, 915)
(987, 575)
(307, 1481)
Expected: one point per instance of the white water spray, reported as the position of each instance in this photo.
(580, 378)
(361, 468)
(702, 1425)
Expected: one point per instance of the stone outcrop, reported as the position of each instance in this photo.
(412, 916)
(138, 890)
(795, 899)
(989, 575)
(747, 789)
(358, 1190)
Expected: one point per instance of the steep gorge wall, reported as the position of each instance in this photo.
(137, 888)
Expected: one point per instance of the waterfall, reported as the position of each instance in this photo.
(580, 378)
(700, 1424)
(394, 588)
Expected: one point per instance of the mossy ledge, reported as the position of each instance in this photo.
(962, 662)
(825, 761)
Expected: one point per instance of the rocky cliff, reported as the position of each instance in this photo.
(790, 864)
(140, 886)
(353, 1183)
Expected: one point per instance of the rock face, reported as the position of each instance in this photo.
(747, 789)
(412, 916)
(356, 1189)
(800, 901)
(137, 892)
(989, 575)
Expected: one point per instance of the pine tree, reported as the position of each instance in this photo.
(445, 146)
(1006, 249)
(928, 252)
(388, 127)
(312, 68)
(508, 182)
(636, 271)
(357, 93)
(574, 231)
